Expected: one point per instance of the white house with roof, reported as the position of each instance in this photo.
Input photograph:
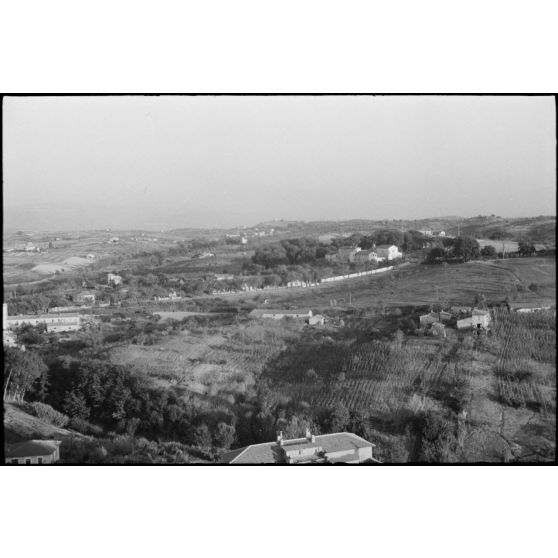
(113, 279)
(33, 452)
(478, 319)
(388, 251)
(340, 447)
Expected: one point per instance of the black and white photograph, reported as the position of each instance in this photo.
(279, 279)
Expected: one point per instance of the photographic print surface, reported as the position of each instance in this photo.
(248, 279)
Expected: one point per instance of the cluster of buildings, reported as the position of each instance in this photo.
(430, 233)
(340, 447)
(380, 253)
(434, 323)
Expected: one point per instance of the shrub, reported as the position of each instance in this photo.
(85, 427)
(47, 413)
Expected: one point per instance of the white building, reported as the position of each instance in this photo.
(478, 319)
(340, 447)
(388, 252)
(279, 314)
(113, 279)
(54, 322)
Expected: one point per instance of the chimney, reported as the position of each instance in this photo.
(280, 438)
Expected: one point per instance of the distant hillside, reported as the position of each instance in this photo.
(540, 229)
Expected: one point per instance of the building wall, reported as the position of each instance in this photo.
(56, 328)
(46, 459)
(53, 323)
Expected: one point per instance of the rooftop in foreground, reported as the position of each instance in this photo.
(339, 447)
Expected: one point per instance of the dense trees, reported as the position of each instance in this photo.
(466, 247)
(526, 248)
(462, 248)
(289, 252)
(488, 251)
(21, 370)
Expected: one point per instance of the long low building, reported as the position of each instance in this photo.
(54, 322)
(340, 447)
(278, 314)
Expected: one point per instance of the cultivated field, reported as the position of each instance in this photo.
(499, 245)
(498, 391)
(220, 361)
(421, 284)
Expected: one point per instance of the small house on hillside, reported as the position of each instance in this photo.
(388, 252)
(33, 452)
(113, 279)
(318, 319)
(478, 319)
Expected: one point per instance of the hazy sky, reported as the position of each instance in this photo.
(167, 162)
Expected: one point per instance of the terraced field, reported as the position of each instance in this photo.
(227, 363)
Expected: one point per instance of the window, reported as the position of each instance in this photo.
(28, 462)
(14, 461)
(40, 460)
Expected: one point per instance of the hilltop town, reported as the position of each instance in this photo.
(290, 342)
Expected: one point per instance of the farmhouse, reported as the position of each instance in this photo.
(478, 319)
(318, 319)
(279, 314)
(36, 452)
(341, 447)
(113, 279)
(388, 251)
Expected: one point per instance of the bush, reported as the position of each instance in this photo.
(85, 427)
(50, 415)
